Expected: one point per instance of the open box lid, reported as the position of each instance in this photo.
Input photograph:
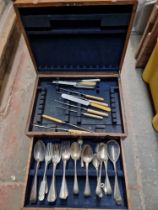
(74, 38)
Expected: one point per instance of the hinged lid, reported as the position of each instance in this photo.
(77, 38)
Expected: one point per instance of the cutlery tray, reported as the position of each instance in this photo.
(73, 41)
(76, 201)
(44, 103)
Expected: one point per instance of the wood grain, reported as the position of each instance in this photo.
(44, 3)
(148, 28)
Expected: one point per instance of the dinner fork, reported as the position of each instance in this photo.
(43, 184)
(56, 157)
(65, 154)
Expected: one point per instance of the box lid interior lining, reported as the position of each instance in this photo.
(77, 38)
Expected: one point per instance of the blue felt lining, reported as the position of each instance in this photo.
(45, 104)
(78, 201)
(88, 38)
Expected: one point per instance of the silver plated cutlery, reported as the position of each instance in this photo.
(75, 155)
(44, 186)
(114, 153)
(39, 153)
(65, 154)
(56, 157)
(87, 156)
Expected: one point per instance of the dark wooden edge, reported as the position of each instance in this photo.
(26, 173)
(125, 177)
(123, 111)
(128, 35)
(25, 208)
(43, 3)
(31, 107)
(25, 37)
(64, 134)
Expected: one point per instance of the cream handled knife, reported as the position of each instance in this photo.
(85, 102)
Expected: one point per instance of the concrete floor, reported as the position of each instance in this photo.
(140, 146)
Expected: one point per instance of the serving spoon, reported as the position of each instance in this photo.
(113, 149)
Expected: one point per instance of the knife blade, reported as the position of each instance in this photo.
(84, 102)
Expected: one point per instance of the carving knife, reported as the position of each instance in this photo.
(85, 102)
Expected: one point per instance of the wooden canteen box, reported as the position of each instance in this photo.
(74, 41)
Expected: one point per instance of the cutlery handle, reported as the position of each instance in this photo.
(76, 187)
(117, 194)
(96, 105)
(33, 195)
(107, 186)
(92, 115)
(43, 185)
(52, 192)
(94, 97)
(64, 190)
(98, 188)
(92, 111)
(87, 190)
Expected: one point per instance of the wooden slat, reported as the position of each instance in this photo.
(41, 3)
(9, 36)
(148, 46)
(150, 24)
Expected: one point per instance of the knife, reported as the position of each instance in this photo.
(80, 84)
(85, 102)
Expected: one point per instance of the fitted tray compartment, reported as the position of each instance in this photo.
(46, 93)
(77, 201)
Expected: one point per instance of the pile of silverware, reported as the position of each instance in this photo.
(54, 153)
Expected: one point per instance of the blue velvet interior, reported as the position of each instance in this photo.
(45, 104)
(77, 38)
(77, 201)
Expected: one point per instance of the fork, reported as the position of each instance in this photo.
(65, 154)
(56, 157)
(43, 184)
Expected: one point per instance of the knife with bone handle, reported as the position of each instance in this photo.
(86, 114)
(85, 102)
(91, 111)
(80, 84)
(72, 131)
(93, 97)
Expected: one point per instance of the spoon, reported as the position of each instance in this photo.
(113, 149)
(87, 156)
(100, 155)
(80, 141)
(75, 155)
(107, 186)
(65, 154)
(39, 154)
(95, 163)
